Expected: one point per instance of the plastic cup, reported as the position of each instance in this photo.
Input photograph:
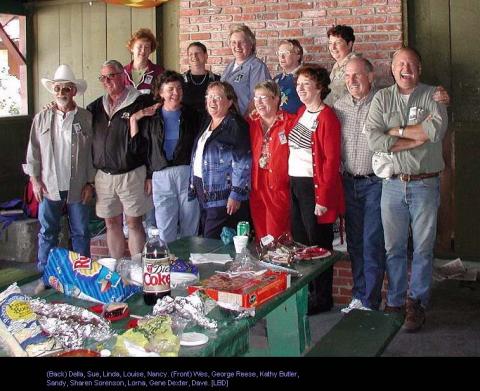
(240, 243)
(111, 263)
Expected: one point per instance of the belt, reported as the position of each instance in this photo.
(417, 177)
(113, 172)
(358, 176)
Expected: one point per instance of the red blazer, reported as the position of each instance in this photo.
(278, 146)
(326, 149)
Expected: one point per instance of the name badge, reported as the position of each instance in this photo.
(282, 138)
(77, 128)
(238, 78)
(148, 79)
(412, 114)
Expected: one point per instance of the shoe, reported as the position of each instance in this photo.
(389, 309)
(415, 318)
(355, 304)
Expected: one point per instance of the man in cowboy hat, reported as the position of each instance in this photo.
(59, 163)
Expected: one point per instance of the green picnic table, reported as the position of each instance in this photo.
(288, 331)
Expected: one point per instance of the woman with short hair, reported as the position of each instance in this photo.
(269, 130)
(171, 129)
(314, 169)
(221, 163)
(141, 72)
(246, 70)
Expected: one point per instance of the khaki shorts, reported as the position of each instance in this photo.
(122, 193)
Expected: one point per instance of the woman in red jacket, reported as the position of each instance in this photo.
(314, 170)
(270, 194)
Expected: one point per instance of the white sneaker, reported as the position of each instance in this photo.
(355, 304)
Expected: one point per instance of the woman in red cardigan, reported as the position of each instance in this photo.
(314, 170)
(270, 194)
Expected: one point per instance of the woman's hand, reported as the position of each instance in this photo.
(232, 206)
(319, 210)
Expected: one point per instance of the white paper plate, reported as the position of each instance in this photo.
(193, 339)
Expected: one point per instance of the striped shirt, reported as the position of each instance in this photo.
(300, 143)
(356, 156)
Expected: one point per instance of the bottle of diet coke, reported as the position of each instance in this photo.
(156, 269)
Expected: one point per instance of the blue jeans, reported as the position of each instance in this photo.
(365, 244)
(176, 216)
(49, 216)
(412, 204)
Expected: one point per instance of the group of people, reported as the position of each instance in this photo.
(292, 153)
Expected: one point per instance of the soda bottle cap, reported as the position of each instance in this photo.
(153, 232)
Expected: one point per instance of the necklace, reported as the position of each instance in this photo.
(195, 83)
(319, 108)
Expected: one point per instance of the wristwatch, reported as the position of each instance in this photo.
(401, 129)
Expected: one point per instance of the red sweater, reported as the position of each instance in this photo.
(326, 149)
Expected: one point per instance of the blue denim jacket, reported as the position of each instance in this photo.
(226, 162)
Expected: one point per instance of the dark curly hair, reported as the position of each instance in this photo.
(166, 77)
(343, 31)
(318, 74)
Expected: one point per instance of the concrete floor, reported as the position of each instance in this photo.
(452, 328)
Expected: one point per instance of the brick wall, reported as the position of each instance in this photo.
(377, 24)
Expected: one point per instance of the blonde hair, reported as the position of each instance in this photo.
(242, 28)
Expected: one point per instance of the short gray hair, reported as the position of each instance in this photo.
(114, 64)
(367, 64)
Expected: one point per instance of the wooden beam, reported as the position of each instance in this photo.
(12, 48)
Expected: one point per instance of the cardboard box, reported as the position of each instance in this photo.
(245, 292)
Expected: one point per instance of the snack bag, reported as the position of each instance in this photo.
(20, 331)
(78, 276)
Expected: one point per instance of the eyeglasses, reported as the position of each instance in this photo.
(214, 97)
(66, 89)
(261, 97)
(283, 53)
(108, 76)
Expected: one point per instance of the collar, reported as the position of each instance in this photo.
(285, 74)
(248, 60)
(365, 99)
(342, 63)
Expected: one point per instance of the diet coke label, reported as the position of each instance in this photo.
(156, 275)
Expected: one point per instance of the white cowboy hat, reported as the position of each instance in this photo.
(64, 74)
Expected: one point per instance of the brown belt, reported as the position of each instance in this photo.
(411, 177)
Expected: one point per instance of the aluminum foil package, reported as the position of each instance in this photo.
(190, 307)
(71, 326)
(78, 276)
(20, 330)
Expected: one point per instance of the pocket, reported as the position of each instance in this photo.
(393, 119)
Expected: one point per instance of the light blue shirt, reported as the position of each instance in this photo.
(172, 131)
(244, 79)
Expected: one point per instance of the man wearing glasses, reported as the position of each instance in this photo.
(59, 163)
(121, 182)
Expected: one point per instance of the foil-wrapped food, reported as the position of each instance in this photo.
(71, 326)
(191, 308)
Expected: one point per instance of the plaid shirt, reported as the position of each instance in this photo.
(356, 156)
